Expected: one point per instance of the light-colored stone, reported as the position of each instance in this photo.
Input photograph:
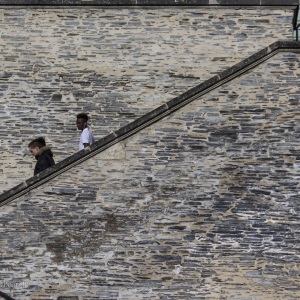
(115, 63)
(199, 210)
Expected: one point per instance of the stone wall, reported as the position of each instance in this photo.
(201, 205)
(115, 63)
(144, 3)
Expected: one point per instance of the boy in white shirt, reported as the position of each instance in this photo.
(86, 138)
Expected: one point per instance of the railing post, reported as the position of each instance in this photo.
(295, 22)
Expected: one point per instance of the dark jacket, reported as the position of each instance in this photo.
(44, 160)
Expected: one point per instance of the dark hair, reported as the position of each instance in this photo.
(38, 142)
(83, 116)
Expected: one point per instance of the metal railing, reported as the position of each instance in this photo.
(296, 23)
(297, 32)
(5, 296)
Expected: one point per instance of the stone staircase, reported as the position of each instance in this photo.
(150, 118)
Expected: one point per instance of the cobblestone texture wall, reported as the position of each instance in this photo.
(201, 205)
(116, 64)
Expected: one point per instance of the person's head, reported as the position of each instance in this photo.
(35, 145)
(82, 120)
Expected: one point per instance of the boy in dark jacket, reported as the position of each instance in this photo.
(42, 153)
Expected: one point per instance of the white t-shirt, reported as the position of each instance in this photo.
(86, 138)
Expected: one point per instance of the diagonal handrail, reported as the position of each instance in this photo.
(149, 118)
(5, 296)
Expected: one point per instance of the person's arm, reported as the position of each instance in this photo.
(86, 138)
(42, 164)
